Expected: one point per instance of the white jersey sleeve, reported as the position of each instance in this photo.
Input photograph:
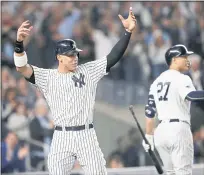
(41, 78)
(97, 68)
(186, 86)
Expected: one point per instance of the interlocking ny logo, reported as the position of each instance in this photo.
(78, 81)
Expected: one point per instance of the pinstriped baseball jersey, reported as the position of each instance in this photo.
(71, 96)
(169, 91)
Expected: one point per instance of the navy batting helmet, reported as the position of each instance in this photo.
(66, 46)
(178, 50)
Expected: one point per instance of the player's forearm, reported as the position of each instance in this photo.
(118, 50)
(26, 70)
(195, 96)
(149, 125)
(20, 60)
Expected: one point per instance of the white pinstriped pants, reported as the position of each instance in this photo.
(174, 143)
(68, 145)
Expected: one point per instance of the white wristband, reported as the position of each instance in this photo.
(20, 61)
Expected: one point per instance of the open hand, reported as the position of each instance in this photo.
(24, 31)
(23, 152)
(130, 22)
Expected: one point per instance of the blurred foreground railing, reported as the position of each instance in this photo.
(28, 158)
(198, 169)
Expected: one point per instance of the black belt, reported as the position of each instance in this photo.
(73, 128)
(175, 120)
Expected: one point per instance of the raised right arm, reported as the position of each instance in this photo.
(20, 56)
(33, 74)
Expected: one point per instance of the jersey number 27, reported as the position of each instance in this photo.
(162, 90)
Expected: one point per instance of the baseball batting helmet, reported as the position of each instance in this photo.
(178, 50)
(66, 46)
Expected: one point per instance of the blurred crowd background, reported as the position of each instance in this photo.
(26, 122)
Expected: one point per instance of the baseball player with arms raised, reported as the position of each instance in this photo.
(170, 96)
(70, 93)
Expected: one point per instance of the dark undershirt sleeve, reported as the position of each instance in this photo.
(195, 96)
(118, 50)
(32, 78)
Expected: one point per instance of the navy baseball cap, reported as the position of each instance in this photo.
(178, 50)
(66, 46)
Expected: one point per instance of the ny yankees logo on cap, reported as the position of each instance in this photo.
(78, 81)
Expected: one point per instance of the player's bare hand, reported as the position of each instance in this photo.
(24, 31)
(130, 22)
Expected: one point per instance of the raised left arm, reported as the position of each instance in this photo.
(118, 50)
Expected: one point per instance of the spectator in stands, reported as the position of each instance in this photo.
(196, 41)
(115, 161)
(10, 103)
(141, 63)
(18, 122)
(8, 81)
(6, 74)
(196, 73)
(122, 146)
(132, 153)
(12, 155)
(41, 130)
(197, 76)
(131, 65)
(82, 35)
(198, 142)
(25, 93)
(157, 50)
(71, 16)
(7, 36)
(4, 131)
(202, 142)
